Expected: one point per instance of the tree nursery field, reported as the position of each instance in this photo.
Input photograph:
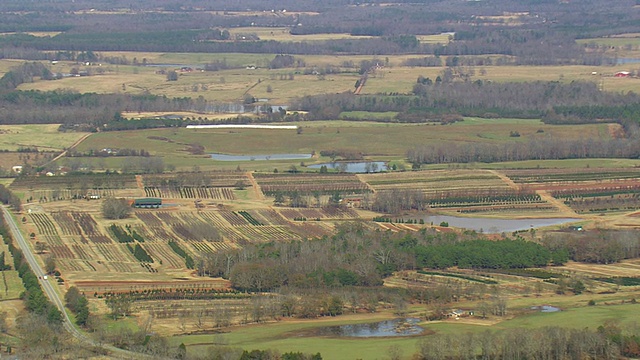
(292, 180)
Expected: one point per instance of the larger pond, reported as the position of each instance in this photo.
(495, 226)
(354, 167)
(396, 327)
(225, 157)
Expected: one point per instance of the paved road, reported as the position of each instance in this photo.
(53, 295)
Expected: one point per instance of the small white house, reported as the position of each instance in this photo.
(17, 169)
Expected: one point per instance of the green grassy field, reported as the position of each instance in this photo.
(287, 336)
(13, 287)
(375, 140)
(44, 137)
(231, 85)
(226, 86)
(284, 337)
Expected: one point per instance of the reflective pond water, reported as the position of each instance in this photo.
(495, 226)
(396, 327)
(354, 167)
(225, 157)
(546, 308)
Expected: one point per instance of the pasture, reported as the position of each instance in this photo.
(280, 86)
(41, 137)
(380, 140)
(225, 85)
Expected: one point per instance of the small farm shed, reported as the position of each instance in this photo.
(147, 203)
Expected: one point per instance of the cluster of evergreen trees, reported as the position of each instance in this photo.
(8, 198)
(78, 304)
(487, 254)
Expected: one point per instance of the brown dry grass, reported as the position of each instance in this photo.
(184, 114)
(630, 268)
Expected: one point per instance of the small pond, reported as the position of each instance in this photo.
(545, 308)
(396, 327)
(495, 226)
(225, 157)
(354, 167)
(622, 61)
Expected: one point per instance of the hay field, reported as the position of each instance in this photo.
(224, 86)
(373, 139)
(44, 137)
(231, 85)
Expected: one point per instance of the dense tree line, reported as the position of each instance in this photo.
(544, 33)
(545, 343)
(357, 256)
(9, 198)
(91, 111)
(445, 95)
(601, 246)
(544, 148)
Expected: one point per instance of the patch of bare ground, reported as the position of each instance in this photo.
(616, 131)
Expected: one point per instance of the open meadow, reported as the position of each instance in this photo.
(225, 85)
(40, 137)
(280, 86)
(380, 140)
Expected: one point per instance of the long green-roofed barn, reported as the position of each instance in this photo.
(148, 203)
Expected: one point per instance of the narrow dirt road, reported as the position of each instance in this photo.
(69, 148)
(562, 207)
(544, 195)
(507, 180)
(255, 186)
